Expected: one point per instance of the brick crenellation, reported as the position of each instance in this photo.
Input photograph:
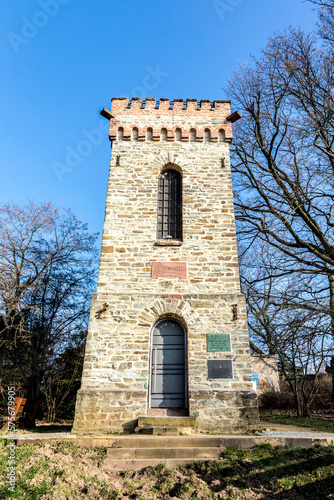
(137, 104)
(170, 120)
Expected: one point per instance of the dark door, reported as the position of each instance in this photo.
(168, 372)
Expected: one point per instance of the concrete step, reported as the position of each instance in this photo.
(133, 465)
(163, 421)
(164, 453)
(193, 441)
(166, 425)
(164, 431)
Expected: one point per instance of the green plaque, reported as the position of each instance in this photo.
(220, 342)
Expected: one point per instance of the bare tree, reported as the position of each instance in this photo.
(283, 167)
(281, 325)
(283, 155)
(326, 19)
(46, 277)
(62, 380)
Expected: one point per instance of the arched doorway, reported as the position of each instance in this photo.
(168, 372)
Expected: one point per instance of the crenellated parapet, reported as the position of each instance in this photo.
(172, 121)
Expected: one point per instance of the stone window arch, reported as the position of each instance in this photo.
(178, 134)
(221, 135)
(170, 205)
(135, 134)
(149, 134)
(207, 135)
(120, 133)
(163, 134)
(192, 135)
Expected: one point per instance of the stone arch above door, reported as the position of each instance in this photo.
(173, 307)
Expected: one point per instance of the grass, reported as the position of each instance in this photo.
(320, 424)
(67, 471)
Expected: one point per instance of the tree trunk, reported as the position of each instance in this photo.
(33, 389)
(331, 306)
(2, 361)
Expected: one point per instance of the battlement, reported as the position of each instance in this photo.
(176, 106)
(170, 120)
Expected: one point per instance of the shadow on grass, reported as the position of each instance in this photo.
(322, 489)
(303, 474)
(51, 428)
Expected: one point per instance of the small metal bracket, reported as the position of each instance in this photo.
(235, 311)
(99, 313)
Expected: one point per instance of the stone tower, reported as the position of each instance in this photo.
(168, 327)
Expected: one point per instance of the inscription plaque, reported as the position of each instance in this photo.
(219, 342)
(169, 270)
(220, 368)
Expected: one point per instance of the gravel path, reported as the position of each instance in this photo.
(297, 434)
(269, 433)
(45, 435)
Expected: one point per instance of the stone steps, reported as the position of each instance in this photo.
(197, 453)
(160, 430)
(143, 451)
(193, 441)
(166, 425)
(133, 465)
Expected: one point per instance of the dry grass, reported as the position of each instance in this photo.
(66, 471)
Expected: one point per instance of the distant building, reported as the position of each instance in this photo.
(265, 374)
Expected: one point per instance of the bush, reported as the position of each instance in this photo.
(285, 400)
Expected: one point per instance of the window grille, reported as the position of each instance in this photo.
(170, 205)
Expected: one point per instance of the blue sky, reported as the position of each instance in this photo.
(63, 60)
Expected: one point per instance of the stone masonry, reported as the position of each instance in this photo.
(194, 139)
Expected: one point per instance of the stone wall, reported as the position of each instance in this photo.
(207, 299)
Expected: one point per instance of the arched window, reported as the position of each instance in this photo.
(207, 135)
(135, 134)
(221, 135)
(163, 135)
(149, 134)
(192, 135)
(178, 134)
(170, 205)
(120, 134)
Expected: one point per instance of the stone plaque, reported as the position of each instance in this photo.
(220, 368)
(220, 342)
(169, 270)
